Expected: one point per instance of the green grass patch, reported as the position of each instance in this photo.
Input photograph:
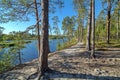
(112, 44)
(66, 44)
(102, 49)
(11, 44)
(56, 37)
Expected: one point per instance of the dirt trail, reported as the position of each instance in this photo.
(72, 64)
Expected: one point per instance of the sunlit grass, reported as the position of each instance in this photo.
(113, 44)
(67, 44)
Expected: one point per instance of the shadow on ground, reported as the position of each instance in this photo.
(13, 76)
(86, 54)
(61, 76)
(107, 54)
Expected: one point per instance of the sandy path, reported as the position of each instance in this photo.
(72, 64)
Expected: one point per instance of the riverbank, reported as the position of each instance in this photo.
(72, 63)
(13, 43)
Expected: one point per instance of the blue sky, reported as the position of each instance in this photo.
(61, 13)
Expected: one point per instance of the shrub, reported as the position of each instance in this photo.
(5, 62)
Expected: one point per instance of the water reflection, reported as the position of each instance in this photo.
(30, 51)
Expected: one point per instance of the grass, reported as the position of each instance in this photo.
(112, 44)
(66, 44)
(10, 44)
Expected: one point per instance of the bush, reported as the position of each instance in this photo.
(7, 59)
(5, 62)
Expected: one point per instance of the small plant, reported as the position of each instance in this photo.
(59, 46)
(8, 59)
(5, 62)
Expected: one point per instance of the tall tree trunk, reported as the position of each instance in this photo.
(78, 33)
(118, 22)
(38, 31)
(108, 21)
(19, 52)
(20, 60)
(93, 29)
(44, 49)
(82, 30)
(88, 42)
(118, 27)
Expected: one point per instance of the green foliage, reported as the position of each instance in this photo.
(4, 65)
(59, 46)
(67, 44)
(114, 44)
(6, 60)
(101, 29)
(56, 37)
(12, 43)
(55, 25)
(13, 46)
(19, 10)
(68, 26)
(14, 36)
(81, 6)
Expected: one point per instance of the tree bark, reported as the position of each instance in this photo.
(108, 21)
(93, 29)
(118, 23)
(44, 48)
(19, 53)
(82, 30)
(88, 42)
(38, 32)
(118, 27)
(78, 33)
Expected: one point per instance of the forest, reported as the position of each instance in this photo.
(85, 45)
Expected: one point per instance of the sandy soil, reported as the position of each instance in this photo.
(73, 63)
